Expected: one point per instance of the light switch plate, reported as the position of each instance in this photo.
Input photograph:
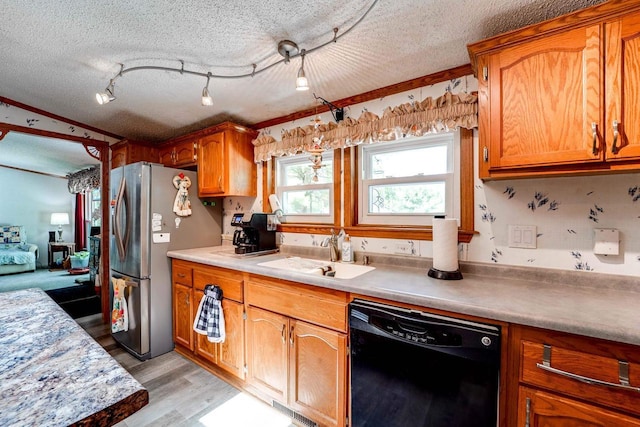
(522, 236)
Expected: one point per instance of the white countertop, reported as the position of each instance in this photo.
(589, 304)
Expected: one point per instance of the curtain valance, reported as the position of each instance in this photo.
(411, 119)
(84, 180)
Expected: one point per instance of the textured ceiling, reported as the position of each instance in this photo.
(57, 55)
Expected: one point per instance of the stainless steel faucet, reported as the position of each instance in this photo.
(332, 243)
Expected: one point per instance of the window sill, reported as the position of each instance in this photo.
(383, 232)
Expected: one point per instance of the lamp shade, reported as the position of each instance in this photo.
(59, 218)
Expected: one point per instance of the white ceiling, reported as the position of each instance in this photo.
(57, 54)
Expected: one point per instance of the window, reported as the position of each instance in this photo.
(306, 195)
(93, 205)
(410, 181)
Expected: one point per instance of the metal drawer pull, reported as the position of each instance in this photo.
(614, 148)
(623, 373)
(594, 130)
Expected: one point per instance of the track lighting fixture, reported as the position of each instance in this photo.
(207, 101)
(286, 48)
(107, 95)
(301, 80)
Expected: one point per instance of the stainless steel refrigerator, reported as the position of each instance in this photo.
(143, 228)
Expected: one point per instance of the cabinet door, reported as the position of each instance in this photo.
(203, 347)
(267, 351)
(183, 316)
(540, 409)
(185, 153)
(622, 90)
(231, 351)
(317, 361)
(544, 97)
(211, 165)
(119, 156)
(165, 155)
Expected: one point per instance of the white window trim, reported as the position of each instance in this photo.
(451, 179)
(281, 189)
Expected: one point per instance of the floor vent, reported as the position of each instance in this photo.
(293, 414)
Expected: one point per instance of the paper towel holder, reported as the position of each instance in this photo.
(444, 275)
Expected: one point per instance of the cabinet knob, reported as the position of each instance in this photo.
(485, 154)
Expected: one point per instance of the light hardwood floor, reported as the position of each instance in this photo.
(183, 394)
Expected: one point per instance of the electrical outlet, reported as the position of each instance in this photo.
(463, 252)
(403, 248)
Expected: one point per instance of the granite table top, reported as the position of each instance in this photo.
(52, 373)
(584, 303)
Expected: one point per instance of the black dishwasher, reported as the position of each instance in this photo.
(411, 368)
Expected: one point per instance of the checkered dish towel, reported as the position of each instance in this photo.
(209, 319)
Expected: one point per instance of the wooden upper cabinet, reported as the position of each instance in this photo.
(130, 151)
(225, 162)
(550, 95)
(544, 97)
(179, 153)
(623, 88)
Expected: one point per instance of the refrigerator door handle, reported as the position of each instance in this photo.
(121, 202)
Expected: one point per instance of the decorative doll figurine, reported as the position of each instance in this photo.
(182, 204)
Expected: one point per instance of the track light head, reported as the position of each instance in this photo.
(107, 95)
(207, 100)
(301, 81)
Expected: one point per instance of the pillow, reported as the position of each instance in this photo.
(13, 234)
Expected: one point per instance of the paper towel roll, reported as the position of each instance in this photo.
(445, 244)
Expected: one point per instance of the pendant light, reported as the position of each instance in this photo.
(301, 82)
(207, 100)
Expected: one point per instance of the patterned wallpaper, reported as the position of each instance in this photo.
(18, 116)
(565, 211)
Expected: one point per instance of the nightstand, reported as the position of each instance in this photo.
(65, 247)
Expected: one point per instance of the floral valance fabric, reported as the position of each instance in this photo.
(84, 180)
(411, 119)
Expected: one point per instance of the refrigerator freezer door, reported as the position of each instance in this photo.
(136, 339)
(130, 215)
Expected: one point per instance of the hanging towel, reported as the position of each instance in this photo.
(119, 313)
(209, 319)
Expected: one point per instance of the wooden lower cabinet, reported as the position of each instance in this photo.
(267, 349)
(183, 316)
(317, 373)
(541, 409)
(228, 355)
(298, 364)
(566, 380)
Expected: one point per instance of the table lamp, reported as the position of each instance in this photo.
(60, 219)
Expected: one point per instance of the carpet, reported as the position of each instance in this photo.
(41, 278)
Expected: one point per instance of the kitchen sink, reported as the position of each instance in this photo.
(318, 267)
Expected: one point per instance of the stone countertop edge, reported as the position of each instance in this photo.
(584, 303)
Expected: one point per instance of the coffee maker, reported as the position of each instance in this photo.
(256, 235)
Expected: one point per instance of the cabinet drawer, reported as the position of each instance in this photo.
(181, 273)
(323, 307)
(570, 371)
(229, 282)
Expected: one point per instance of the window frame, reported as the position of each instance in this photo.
(312, 218)
(269, 187)
(450, 177)
(347, 205)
